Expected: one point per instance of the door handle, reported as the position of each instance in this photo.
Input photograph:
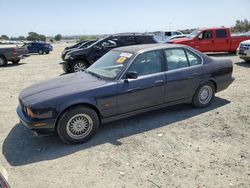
(133, 89)
(159, 81)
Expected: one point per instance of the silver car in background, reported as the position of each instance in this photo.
(243, 50)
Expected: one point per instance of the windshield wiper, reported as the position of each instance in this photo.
(94, 74)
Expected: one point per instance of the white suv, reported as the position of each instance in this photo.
(243, 50)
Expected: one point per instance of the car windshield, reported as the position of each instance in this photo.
(86, 44)
(110, 65)
(97, 43)
(193, 34)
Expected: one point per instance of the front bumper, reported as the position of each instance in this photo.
(65, 66)
(34, 124)
(243, 53)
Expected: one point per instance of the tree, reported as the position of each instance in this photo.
(241, 26)
(58, 37)
(42, 38)
(86, 37)
(21, 38)
(32, 36)
(4, 37)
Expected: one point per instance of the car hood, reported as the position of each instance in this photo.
(181, 40)
(246, 42)
(60, 86)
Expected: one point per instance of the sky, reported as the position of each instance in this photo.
(91, 17)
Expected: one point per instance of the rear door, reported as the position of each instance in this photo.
(221, 42)
(148, 89)
(184, 70)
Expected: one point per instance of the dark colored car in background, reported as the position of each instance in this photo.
(39, 47)
(124, 82)
(79, 60)
(82, 46)
(14, 54)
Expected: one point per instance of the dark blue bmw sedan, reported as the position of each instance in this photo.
(124, 82)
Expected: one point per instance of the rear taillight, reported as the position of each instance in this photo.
(14, 51)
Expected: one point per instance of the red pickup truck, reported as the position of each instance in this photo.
(212, 40)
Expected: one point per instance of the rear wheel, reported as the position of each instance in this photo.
(40, 52)
(77, 125)
(79, 65)
(3, 61)
(204, 95)
(16, 61)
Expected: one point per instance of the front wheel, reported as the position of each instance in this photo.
(78, 66)
(204, 95)
(77, 125)
(40, 52)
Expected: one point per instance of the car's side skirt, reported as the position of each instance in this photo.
(129, 114)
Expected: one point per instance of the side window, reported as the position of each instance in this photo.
(168, 34)
(206, 35)
(176, 59)
(221, 33)
(147, 63)
(193, 59)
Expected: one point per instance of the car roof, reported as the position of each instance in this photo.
(131, 34)
(146, 47)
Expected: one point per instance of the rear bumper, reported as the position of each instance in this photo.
(34, 125)
(225, 84)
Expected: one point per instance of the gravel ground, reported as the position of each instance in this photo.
(178, 146)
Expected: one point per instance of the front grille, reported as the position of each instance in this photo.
(245, 46)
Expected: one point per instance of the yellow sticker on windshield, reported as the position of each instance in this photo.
(121, 60)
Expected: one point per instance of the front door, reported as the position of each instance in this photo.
(148, 89)
(205, 41)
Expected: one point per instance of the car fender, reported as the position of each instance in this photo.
(209, 79)
(71, 103)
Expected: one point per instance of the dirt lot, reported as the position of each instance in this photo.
(175, 147)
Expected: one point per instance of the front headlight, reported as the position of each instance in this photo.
(31, 114)
(67, 57)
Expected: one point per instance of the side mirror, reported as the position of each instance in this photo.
(131, 75)
(97, 48)
(200, 37)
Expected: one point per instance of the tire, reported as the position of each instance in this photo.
(16, 61)
(40, 52)
(3, 61)
(204, 95)
(77, 125)
(78, 65)
(47, 52)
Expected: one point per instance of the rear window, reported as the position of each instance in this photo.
(144, 39)
(221, 33)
